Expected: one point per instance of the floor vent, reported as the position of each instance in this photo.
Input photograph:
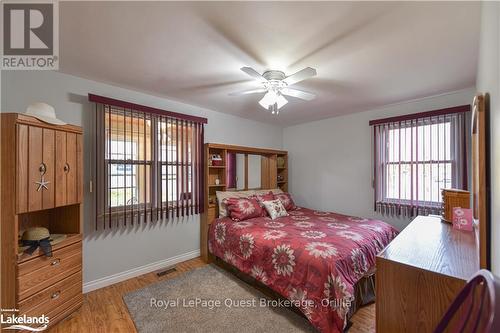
(166, 271)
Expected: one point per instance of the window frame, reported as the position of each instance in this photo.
(154, 162)
(409, 202)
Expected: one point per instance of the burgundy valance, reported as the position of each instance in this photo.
(420, 115)
(143, 108)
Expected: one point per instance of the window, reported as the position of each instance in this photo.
(127, 153)
(123, 176)
(417, 156)
(148, 165)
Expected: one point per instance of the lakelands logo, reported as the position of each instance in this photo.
(30, 35)
(12, 321)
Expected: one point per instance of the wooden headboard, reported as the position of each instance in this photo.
(481, 177)
(270, 170)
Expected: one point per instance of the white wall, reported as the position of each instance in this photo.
(488, 81)
(127, 249)
(331, 160)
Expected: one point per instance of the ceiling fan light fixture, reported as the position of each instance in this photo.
(275, 85)
(274, 99)
(274, 108)
(268, 99)
(281, 101)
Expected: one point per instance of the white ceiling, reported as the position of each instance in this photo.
(366, 54)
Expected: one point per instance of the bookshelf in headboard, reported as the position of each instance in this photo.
(273, 175)
(481, 177)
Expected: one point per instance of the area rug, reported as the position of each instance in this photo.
(209, 299)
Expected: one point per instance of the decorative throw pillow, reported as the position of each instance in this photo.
(241, 209)
(275, 208)
(263, 197)
(222, 195)
(286, 200)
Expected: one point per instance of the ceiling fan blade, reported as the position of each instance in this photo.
(250, 91)
(300, 75)
(253, 73)
(298, 94)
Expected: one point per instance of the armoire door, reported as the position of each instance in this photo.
(35, 163)
(71, 169)
(68, 168)
(61, 183)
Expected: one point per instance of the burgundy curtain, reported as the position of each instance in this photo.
(149, 164)
(415, 157)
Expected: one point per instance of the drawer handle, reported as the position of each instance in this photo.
(55, 295)
(55, 262)
(66, 167)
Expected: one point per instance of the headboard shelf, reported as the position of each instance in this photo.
(273, 174)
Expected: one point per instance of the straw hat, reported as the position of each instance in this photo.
(44, 112)
(39, 233)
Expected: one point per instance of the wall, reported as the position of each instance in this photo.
(331, 160)
(488, 81)
(111, 256)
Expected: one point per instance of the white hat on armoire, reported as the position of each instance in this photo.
(44, 112)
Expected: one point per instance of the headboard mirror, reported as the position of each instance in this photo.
(243, 171)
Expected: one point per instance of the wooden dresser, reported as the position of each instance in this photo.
(36, 284)
(419, 274)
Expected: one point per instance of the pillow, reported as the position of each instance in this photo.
(221, 195)
(263, 197)
(241, 209)
(274, 190)
(275, 209)
(286, 200)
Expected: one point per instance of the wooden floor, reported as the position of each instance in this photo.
(103, 310)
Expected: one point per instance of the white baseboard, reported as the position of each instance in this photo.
(131, 273)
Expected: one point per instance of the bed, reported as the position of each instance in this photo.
(312, 258)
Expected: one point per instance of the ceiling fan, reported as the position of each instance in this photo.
(275, 85)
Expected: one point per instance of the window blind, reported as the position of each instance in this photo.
(148, 164)
(415, 156)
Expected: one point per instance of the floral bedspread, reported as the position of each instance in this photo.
(312, 258)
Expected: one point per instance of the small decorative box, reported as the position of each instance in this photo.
(462, 218)
(216, 160)
(454, 198)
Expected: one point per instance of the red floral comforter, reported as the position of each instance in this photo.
(312, 258)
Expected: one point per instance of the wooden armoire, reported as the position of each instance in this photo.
(33, 151)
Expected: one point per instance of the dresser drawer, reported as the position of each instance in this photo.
(64, 310)
(42, 272)
(51, 298)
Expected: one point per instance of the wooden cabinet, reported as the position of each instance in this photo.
(420, 273)
(42, 180)
(53, 156)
